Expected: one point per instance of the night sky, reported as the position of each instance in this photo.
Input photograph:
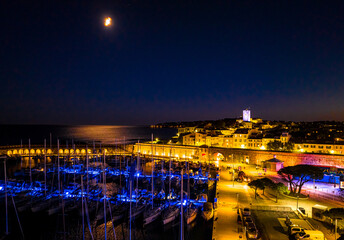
(170, 61)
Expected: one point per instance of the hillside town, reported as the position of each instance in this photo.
(259, 134)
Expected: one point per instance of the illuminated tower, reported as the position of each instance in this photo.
(246, 115)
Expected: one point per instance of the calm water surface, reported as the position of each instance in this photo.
(105, 134)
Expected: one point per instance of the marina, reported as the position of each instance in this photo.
(106, 196)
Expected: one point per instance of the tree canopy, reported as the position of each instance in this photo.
(298, 175)
(256, 184)
(279, 146)
(334, 213)
(275, 145)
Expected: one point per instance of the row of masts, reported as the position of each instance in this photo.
(104, 184)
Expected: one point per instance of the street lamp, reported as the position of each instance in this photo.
(233, 168)
(335, 230)
(237, 199)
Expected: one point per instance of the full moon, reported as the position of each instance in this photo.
(107, 22)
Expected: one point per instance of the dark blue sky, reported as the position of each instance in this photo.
(170, 61)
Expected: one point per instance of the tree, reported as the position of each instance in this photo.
(287, 174)
(334, 213)
(279, 188)
(289, 146)
(267, 183)
(298, 175)
(256, 184)
(275, 145)
(279, 146)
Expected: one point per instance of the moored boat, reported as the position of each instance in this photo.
(171, 213)
(207, 211)
(151, 214)
(191, 214)
(137, 210)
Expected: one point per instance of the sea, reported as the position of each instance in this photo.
(80, 134)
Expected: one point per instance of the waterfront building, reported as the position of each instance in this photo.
(240, 137)
(285, 137)
(186, 130)
(189, 139)
(256, 142)
(313, 147)
(200, 139)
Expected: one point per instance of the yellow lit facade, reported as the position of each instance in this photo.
(319, 148)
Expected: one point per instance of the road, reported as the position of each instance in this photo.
(231, 197)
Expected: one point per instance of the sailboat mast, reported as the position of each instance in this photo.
(162, 160)
(124, 148)
(58, 165)
(153, 163)
(169, 181)
(120, 168)
(21, 153)
(188, 174)
(30, 160)
(130, 192)
(74, 167)
(87, 170)
(138, 166)
(94, 147)
(45, 167)
(181, 207)
(104, 189)
(82, 207)
(6, 197)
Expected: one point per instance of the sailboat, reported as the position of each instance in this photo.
(137, 210)
(42, 205)
(118, 212)
(191, 213)
(152, 213)
(207, 211)
(170, 213)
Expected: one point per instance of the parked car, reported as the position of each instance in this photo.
(247, 220)
(309, 234)
(246, 212)
(301, 235)
(252, 232)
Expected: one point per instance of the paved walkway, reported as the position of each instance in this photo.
(229, 199)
